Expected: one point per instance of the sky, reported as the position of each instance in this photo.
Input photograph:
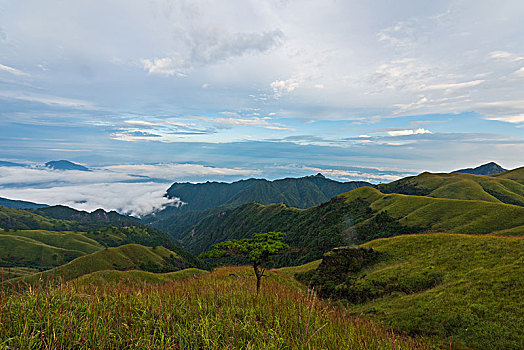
(222, 90)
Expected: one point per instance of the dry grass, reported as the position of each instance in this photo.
(214, 311)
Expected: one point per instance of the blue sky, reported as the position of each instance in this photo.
(272, 88)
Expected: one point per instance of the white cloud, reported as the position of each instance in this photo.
(505, 55)
(509, 119)
(453, 86)
(127, 198)
(48, 100)
(281, 87)
(409, 132)
(130, 189)
(206, 46)
(256, 121)
(12, 70)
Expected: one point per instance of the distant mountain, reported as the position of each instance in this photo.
(10, 203)
(485, 169)
(10, 164)
(62, 212)
(209, 198)
(303, 192)
(65, 165)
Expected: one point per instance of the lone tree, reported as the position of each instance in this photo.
(258, 249)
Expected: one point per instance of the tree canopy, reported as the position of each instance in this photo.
(260, 249)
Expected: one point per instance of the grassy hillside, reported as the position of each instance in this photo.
(126, 257)
(214, 311)
(503, 188)
(464, 288)
(355, 217)
(43, 249)
(515, 175)
(24, 220)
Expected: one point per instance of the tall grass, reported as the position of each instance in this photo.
(213, 311)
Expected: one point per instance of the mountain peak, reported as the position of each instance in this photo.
(65, 165)
(484, 169)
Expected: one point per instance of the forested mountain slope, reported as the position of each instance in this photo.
(357, 216)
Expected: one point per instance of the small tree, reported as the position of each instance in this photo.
(258, 249)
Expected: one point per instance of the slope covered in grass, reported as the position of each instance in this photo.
(126, 257)
(464, 288)
(357, 216)
(43, 249)
(214, 311)
(24, 220)
(502, 188)
(136, 276)
(515, 175)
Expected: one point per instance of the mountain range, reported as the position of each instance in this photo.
(204, 199)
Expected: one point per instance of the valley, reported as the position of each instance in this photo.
(437, 258)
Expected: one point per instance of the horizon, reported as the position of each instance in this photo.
(194, 91)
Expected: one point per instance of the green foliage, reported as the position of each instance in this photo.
(213, 311)
(448, 286)
(259, 249)
(310, 232)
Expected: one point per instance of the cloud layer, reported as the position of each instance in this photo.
(248, 84)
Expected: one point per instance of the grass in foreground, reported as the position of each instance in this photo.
(464, 288)
(214, 311)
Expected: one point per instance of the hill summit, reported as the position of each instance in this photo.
(65, 165)
(485, 169)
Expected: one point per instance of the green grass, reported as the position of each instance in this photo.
(14, 272)
(506, 187)
(292, 270)
(126, 257)
(18, 250)
(444, 215)
(136, 276)
(467, 289)
(213, 311)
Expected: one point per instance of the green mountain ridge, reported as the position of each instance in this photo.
(122, 258)
(507, 187)
(211, 198)
(17, 204)
(62, 212)
(357, 216)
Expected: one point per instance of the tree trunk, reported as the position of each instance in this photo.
(258, 274)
